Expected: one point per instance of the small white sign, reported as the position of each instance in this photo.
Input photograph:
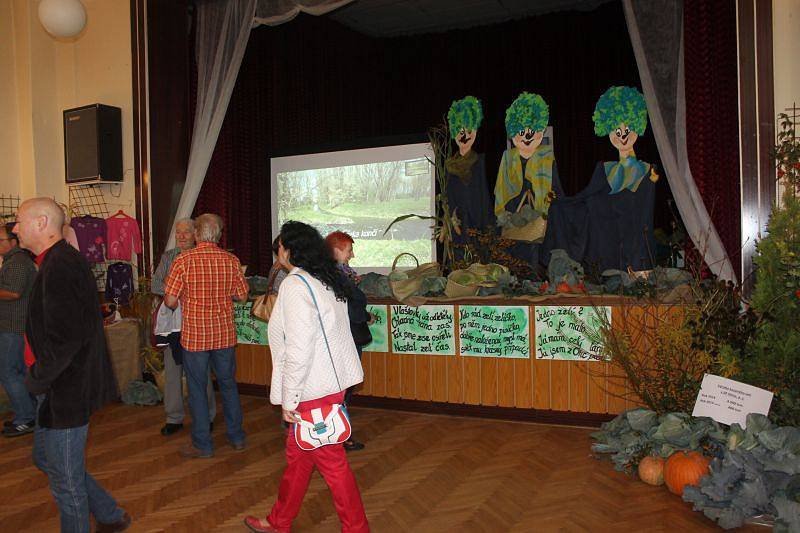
(729, 402)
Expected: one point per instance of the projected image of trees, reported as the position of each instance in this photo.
(363, 200)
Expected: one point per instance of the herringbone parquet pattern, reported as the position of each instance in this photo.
(418, 473)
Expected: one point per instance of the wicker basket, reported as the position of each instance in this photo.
(533, 231)
(402, 289)
(456, 290)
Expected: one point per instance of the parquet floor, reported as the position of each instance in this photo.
(418, 473)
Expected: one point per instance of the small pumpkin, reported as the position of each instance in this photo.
(651, 470)
(563, 287)
(684, 468)
(543, 287)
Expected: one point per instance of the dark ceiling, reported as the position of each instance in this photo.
(391, 18)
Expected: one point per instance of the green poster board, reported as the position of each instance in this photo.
(568, 333)
(429, 329)
(249, 330)
(379, 329)
(494, 331)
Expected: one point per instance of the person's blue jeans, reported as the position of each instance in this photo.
(12, 377)
(60, 453)
(195, 365)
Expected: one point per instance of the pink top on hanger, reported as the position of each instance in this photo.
(123, 237)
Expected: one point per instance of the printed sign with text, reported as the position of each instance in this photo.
(379, 329)
(728, 401)
(249, 330)
(428, 329)
(570, 332)
(494, 331)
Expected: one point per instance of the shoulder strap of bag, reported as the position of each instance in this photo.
(271, 280)
(319, 316)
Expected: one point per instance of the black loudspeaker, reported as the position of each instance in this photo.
(93, 143)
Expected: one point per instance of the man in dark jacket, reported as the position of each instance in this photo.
(69, 368)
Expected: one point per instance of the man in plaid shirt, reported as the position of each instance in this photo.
(207, 280)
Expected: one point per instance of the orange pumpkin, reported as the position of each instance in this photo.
(651, 470)
(563, 287)
(684, 468)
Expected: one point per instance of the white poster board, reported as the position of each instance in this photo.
(728, 401)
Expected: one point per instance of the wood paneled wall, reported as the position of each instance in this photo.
(578, 386)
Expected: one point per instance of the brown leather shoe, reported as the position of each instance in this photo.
(120, 525)
(191, 452)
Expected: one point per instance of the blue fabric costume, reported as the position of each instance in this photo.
(609, 224)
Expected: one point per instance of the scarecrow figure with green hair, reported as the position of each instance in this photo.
(467, 190)
(621, 114)
(527, 180)
(609, 224)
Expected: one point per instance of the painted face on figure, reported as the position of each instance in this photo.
(6, 243)
(623, 139)
(527, 141)
(184, 236)
(344, 255)
(465, 139)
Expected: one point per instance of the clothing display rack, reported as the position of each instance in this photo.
(87, 200)
(8, 207)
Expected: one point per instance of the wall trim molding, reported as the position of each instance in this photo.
(513, 414)
(141, 129)
(756, 127)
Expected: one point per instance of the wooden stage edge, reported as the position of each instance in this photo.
(513, 414)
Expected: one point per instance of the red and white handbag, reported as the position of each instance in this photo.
(320, 427)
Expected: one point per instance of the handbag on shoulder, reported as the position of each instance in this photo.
(263, 305)
(323, 426)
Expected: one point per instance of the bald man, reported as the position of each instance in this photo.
(69, 370)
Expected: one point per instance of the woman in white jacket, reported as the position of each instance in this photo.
(307, 375)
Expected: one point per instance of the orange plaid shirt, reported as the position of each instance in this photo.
(206, 278)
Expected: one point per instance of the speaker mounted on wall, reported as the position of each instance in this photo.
(93, 144)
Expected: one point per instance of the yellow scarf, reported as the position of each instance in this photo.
(538, 171)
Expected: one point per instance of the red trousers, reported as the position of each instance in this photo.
(332, 463)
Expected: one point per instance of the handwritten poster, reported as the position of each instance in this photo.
(728, 401)
(569, 333)
(494, 331)
(429, 329)
(249, 330)
(379, 329)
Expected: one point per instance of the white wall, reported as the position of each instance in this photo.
(786, 54)
(41, 76)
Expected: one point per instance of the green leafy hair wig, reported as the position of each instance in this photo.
(620, 105)
(529, 110)
(466, 113)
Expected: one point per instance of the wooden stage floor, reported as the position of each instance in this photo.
(418, 473)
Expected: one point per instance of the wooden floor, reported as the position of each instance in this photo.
(419, 473)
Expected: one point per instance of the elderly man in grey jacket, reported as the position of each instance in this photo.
(173, 372)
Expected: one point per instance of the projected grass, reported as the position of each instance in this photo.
(363, 200)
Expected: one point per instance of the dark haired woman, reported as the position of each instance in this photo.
(311, 370)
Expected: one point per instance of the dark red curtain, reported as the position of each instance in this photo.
(313, 82)
(712, 114)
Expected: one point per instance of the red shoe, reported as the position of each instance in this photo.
(260, 525)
